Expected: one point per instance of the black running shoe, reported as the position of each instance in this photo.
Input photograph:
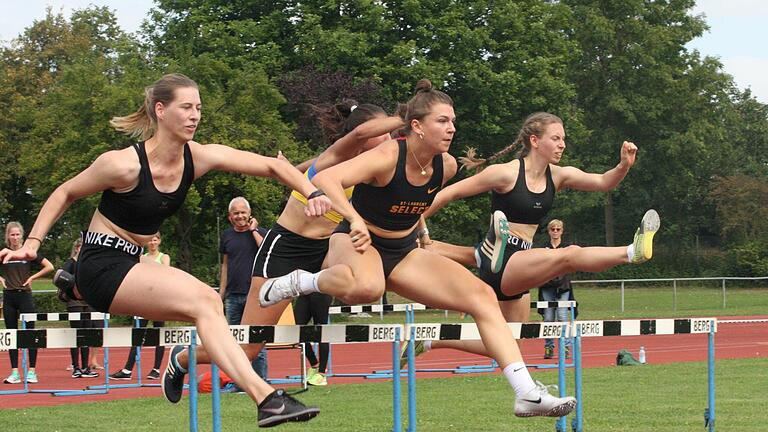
(153, 374)
(121, 375)
(76, 373)
(88, 373)
(279, 408)
(173, 377)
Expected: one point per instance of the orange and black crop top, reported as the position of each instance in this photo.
(398, 205)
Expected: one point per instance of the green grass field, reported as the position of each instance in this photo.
(658, 398)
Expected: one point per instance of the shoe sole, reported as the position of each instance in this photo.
(648, 228)
(558, 411)
(301, 416)
(120, 379)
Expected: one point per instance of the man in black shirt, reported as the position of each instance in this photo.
(238, 246)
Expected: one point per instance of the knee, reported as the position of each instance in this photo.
(208, 302)
(366, 291)
(482, 297)
(569, 257)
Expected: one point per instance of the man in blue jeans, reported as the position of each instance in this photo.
(238, 247)
(557, 289)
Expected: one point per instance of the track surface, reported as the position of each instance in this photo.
(737, 340)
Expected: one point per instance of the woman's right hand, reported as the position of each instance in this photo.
(358, 233)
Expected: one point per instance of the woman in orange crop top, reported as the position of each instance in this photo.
(376, 242)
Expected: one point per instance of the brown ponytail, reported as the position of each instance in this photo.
(143, 122)
(342, 118)
(534, 124)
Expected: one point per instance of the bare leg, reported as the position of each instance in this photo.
(352, 277)
(513, 310)
(533, 267)
(459, 290)
(166, 293)
(464, 255)
(253, 314)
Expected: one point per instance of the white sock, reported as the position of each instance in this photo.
(308, 282)
(427, 345)
(519, 378)
(631, 252)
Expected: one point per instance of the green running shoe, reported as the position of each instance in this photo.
(643, 243)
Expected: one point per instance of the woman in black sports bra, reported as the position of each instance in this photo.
(143, 185)
(522, 193)
(394, 184)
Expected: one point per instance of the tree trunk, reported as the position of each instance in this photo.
(608, 211)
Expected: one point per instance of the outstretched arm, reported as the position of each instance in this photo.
(493, 177)
(220, 157)
(106, 172)
(574, 178)
(351, 144)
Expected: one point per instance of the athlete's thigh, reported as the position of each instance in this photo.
(446, 285)
(527, 269)
(162, 292)
(366, 266)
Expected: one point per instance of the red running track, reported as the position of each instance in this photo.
(743, 340)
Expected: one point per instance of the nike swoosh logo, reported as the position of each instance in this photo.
(430, 190)
(537, 401)
(518, 369)
(266, 294)
(278, 410)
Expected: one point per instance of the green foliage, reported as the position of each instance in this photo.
(613, 70)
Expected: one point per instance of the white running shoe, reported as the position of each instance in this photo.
(538, 402)
(275, 290)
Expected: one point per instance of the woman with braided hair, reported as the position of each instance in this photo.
(522, 193)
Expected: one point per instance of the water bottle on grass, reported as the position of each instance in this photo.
(641, 355)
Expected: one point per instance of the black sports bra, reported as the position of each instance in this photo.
(142, 209)
(520, 205)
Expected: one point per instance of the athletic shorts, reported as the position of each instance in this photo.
(392, 251)
(514, 244)
(103, 262)
(284, 251)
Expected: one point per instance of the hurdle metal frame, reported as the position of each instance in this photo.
(60, 317)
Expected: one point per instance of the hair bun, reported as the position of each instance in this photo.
(424, 85)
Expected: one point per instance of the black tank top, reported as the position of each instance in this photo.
(398, 205)
(142, 209)
(521, 205)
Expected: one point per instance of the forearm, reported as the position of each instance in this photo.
(51, 211)
(613, 177)
(286, 174)
(334, 190)
(378, 126)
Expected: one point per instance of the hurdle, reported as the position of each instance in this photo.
(59, 317)
(580, 329)
(137, 367)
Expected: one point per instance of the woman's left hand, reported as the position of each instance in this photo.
(628, 154)
(28, 282)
